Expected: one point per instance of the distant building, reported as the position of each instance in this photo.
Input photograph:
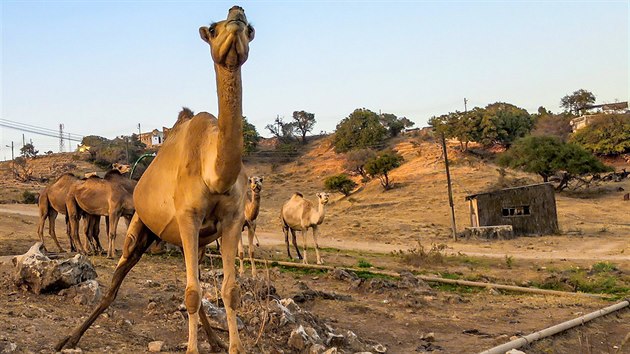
(606, 108)
(531, 210)
(154, 137)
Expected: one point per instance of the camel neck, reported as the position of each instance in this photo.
(254, 205)
(321, 211)
(230, 137)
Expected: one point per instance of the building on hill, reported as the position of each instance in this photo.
(531, 209)
(155, 137)
(606, 108)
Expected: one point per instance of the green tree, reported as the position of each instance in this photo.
(281, 130)
(340, 183)
(546, 156)
(356, 160)
(104, 152)
(28, 150)
(393, 124)
(361, 129)
(303, 122)
(502, 123)
(577, 101)
(607, 134)
(381, 165)
(250, 137)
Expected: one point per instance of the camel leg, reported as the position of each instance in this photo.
(73, 248)
(315, 234)
(52, 217)
(87, 230)
(189, 233)
(138, 239)
(96, 230)
(251, 231)
(113, 224)
(285, 231)
(241, 252)
(297, 249)
(43, 215)
(230, 292)
(73, 216)
(304, 260)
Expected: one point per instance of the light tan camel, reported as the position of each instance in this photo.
(194, 190)
(111, 196)
(252, 208)
(300, 214)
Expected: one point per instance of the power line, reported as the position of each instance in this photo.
(35, 129)
(72, 137)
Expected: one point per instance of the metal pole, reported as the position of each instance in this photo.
(450, 190)
(12, 155)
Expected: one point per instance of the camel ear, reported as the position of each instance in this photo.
(250, 179)
(261, 178)
(319, 195)
(204, 32)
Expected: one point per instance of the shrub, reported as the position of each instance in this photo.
(381, 165)
(29, 197)
(340, 183)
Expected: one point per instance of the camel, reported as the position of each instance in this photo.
(194, 190)
(52, 201)
(300, 214)
(251, 213)
(110, 196)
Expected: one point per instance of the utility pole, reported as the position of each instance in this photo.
(61, 145)
(465, 103)
(450, 190)
(23, 141)
(139, 131)
(12, 155)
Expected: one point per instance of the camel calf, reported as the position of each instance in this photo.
(252, 209)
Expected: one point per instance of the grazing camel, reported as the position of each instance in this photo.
(252, 209)
(110, 196)
(300, 214)
(194, 190)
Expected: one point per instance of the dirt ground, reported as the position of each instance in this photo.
(462, 320)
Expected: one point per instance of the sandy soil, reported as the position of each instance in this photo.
(463, 320)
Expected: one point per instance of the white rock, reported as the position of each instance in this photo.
(514, 351)
(156, 346)
(316, 349)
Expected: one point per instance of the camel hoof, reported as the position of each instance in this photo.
(65, 342)
(320, 262)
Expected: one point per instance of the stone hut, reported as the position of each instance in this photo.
(531, 209)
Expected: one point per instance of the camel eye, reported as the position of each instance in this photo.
(213, 29)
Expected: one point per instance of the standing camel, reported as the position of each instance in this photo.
(52, 201)
(300, 214)
(110, 196)
(194, 190)
(252, 208)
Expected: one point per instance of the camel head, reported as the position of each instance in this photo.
(323, 198)
(121, 168)
(229, 39)
(255, 183)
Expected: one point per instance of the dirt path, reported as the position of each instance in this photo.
(563, 247)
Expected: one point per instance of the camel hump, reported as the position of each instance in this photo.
(298, 194)
(184, 115)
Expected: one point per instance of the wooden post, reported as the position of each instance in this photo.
(450, 190)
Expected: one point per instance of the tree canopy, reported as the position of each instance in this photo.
(607, 134)
(361, 129)
(303, 123)
(393, 124)
(250, 137)
(577, 101)
(547, 156)
(381, 165)
(104, 152)
(340, 183)
(497, 123)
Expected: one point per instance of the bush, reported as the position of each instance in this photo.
(340, 183)
(361, 129)
(29, 197)
(381, 165)
(607, 135)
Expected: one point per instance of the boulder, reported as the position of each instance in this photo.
(39, 274)
(86, 293)
(217, 316)
(155, 346)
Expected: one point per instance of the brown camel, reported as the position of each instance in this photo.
(300, 214)
(194, 190)
(111, 196)
(252, 208)
(52, 201)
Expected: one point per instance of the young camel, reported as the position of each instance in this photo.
(300, 214)
(111, 196)
(252, 209)
(194, 190)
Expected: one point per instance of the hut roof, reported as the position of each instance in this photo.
(473, 196)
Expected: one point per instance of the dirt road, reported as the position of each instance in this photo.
(563, 247)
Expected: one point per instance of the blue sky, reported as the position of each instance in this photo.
(103, 67)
